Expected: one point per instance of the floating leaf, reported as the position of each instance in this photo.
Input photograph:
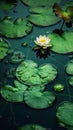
(13, 94)
(29, 73)
(4, 48)
(71, 81)
(62, 43)
(44, 16)
(32, 127)
(39, 100)
(59, 87)
(19, 28)
(40, 2)
(69, 68)
(64, 115)
(7, 4)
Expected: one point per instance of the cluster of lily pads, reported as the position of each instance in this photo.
(31, 79)
(30, 84)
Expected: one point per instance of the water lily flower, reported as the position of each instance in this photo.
(43, 41)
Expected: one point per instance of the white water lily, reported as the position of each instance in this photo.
(43, 41)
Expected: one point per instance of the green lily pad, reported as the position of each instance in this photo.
(36, 87)
(47, 72)
(59, 87)
(64, 115)
(29, 73)
(71, 81)
(32, 127)
(44, 16)
(21, 27)
(38, 99)
(4, 48)
(7, 4)
(13, 94)
(62, 43)
(40, 2)
(69, 68)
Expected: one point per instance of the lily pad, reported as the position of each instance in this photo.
(47, 72)
(64, 115)
(44, 16)
(29, 73)
(69, 68)
(62, 43)
(59, 87)
(71, 81)
(7, 4)
(40, 2)
(32, 127)
(38, 99)
(21, 27)
(13, 94)
(4, 48)
(36, 87)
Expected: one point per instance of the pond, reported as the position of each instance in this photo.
(36, 65)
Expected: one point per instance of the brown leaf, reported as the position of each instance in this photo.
(66, 15)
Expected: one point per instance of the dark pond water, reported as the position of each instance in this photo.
(13, 115)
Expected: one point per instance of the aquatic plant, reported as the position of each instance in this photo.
(40, 2)
(19, 28)
(59, 87)
(17, 57)
(44, 15)
(13, 93)
(69, 68)
(62, 43)
(31, 127)
(69, 71)
(4, 48)
(65, 12)
(7, 4)
(71, 80)
(29, 73)
(43, 43)
(64, 115)
(38, 99)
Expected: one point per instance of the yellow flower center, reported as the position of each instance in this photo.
(43, 40)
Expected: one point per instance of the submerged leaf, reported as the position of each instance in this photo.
(32, 127)
(7, 4)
